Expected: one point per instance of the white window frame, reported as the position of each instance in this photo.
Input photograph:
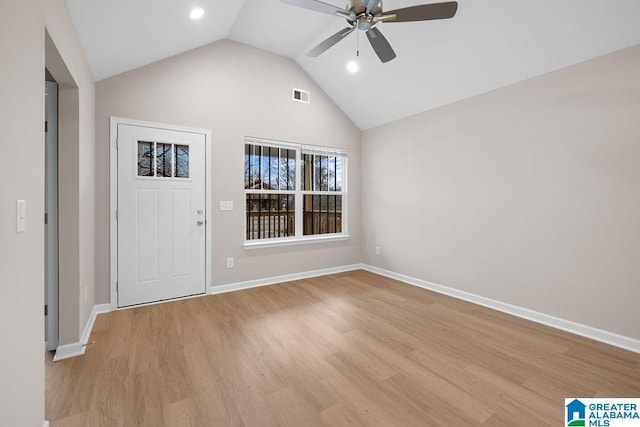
(299, 237)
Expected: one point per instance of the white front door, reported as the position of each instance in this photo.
(160, 214)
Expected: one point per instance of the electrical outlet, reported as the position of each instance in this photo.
(229, 262)
(377, 250)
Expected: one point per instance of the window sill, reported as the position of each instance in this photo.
(274, 243)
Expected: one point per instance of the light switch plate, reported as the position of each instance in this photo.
(226, 205)
(21, 215)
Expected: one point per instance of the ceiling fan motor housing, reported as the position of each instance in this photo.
(363, 20)
(358, 7)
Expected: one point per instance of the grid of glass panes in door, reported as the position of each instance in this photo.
(322, 194)
(270, 184)
(159, 159)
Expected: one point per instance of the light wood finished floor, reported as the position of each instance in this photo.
(343, 350)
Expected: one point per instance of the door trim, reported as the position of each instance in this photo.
(51, 208)
(113, 202)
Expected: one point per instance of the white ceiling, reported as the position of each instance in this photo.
(488, 44)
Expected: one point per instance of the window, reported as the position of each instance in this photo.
(164, 160)
(293, 192)
(270, 184)
(322, 175)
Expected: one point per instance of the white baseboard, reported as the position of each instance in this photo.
(77, 348)
(525, 313)
(280, 279)
(97, 309)
(67, 351)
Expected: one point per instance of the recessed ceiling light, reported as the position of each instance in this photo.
(352, 66)
(197, 13)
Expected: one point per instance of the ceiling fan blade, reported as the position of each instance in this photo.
(322, 47)
(423, 12)
(380, 45)
(319, 6)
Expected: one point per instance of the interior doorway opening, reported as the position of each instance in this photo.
(51, 294)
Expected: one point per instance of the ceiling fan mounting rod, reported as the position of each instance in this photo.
(364, 6)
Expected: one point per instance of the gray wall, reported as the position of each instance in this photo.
(21, 255)
(66, 61)
(529, 194)
(236, 91)
(22, 53)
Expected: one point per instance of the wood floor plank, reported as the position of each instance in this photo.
(465, 402)
(339, 416)
(349, 349)
(438, 409)
(79, 419)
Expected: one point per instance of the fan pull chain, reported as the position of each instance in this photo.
(357, 43)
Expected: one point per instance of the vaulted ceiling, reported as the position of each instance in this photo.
(487, 45)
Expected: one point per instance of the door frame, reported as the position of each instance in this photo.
(113, 203)
(51, 208)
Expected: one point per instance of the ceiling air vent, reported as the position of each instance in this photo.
(301, 95)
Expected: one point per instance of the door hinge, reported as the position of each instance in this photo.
(46, 310)
(46, 218)
(46, 126)
(116, 215)
(117, 143)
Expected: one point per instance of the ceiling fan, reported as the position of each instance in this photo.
(365, 14)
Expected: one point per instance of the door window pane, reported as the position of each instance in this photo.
(164, 160)
(145, 158)
(182, 161)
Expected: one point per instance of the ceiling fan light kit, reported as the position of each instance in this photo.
(364, 15)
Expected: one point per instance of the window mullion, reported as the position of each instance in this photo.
(173, 160)
(298, 187)
(343, 202)
(155, 158)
